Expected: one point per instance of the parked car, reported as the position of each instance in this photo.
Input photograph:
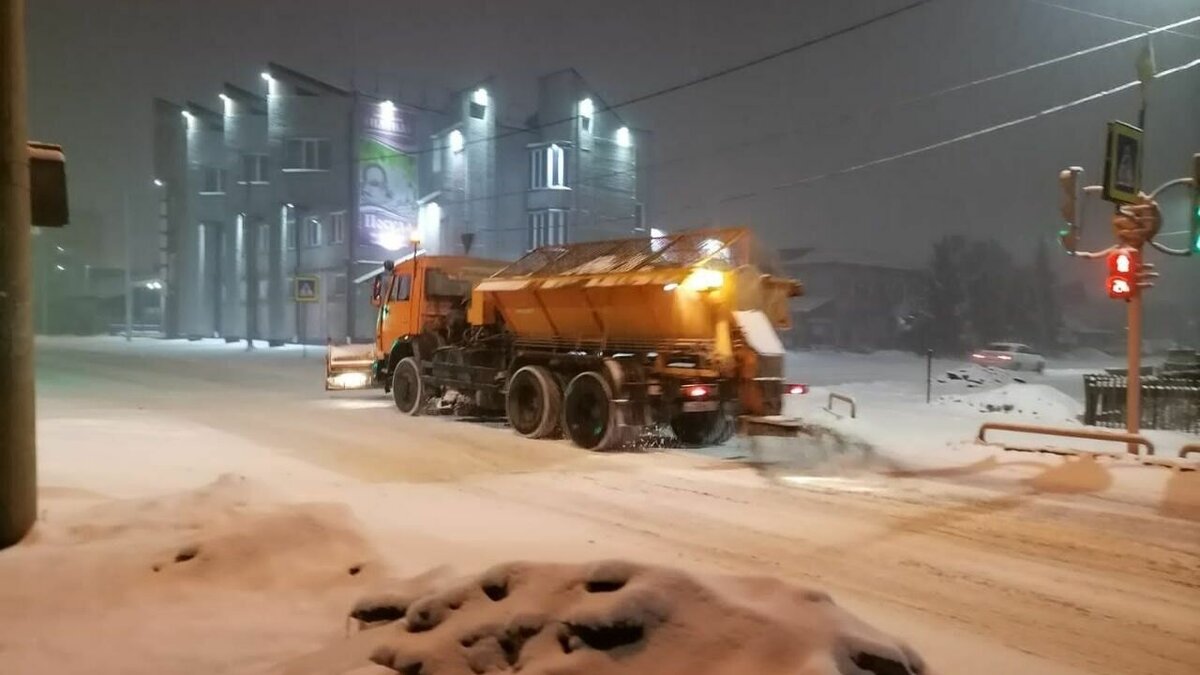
(1009, 355)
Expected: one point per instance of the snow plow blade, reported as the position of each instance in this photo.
(349, 367)
(769, 425)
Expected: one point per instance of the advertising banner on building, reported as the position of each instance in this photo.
(387, 176)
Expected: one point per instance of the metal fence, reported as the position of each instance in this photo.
(1168, 401)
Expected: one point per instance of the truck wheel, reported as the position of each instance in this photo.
(407, 389)
(702, 428)
(589, 415)
(533, 402)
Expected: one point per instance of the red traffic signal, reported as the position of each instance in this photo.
(1124, 269)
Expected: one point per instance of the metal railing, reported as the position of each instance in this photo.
(1169, 401)
(1089, 434)
(834, 396)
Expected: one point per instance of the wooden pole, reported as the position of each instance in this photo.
(18, 477)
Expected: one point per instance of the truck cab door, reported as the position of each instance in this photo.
(395, 316)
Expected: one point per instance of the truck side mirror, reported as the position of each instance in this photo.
(47, 185)
(377, 290)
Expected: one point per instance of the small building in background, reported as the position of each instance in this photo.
(852, 302)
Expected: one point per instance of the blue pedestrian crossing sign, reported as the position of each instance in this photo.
(305, 289)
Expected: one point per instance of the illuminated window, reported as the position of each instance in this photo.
(548, 167)
(547, 227)
(337, 227)
(312, 232)
(287, 218)
(586, 110)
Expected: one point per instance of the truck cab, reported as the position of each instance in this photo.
(421, 303)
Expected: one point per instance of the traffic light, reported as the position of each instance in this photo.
(1195, 238)
(1124, 272)
(1068, 180)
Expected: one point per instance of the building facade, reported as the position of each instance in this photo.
(852, 303)
(272, 206)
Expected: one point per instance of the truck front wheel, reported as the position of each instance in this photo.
(589, 414)
(407, 389)
(533, 402)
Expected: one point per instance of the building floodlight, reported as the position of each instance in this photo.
(624, 137)
(457, 143)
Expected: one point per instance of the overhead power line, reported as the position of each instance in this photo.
(1106, 17)
(774, 136)
(956, 139)
(702, 79)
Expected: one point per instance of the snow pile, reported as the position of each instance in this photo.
(974, 375)
(138, 580)
(607, 618)
(1037, 401)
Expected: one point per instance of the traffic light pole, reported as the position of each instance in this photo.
(1133, 381)
(18, 482)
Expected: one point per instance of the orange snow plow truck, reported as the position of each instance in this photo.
(595, 340)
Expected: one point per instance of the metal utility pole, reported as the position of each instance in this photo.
(18, 480)
(128, 268)
(1133, 381)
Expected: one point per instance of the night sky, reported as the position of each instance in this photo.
(722, 148)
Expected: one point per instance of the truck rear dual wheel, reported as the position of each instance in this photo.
(589, 415)
(407, 389)
(534, 402)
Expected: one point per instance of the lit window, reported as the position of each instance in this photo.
(548, 167)
(306, 154)
(548, 227)
(287, 219)
(337, 227)
(214, 181)
(312, 232)
(456, 141)
(479, 102)
(254, 170)
(586, 110)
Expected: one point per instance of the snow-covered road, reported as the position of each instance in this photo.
(986, 562)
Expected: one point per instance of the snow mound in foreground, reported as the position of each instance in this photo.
(1027, 400)
(607, 618)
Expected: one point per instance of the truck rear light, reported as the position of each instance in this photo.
(797, 389)
(697, 390)
(977, 355)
